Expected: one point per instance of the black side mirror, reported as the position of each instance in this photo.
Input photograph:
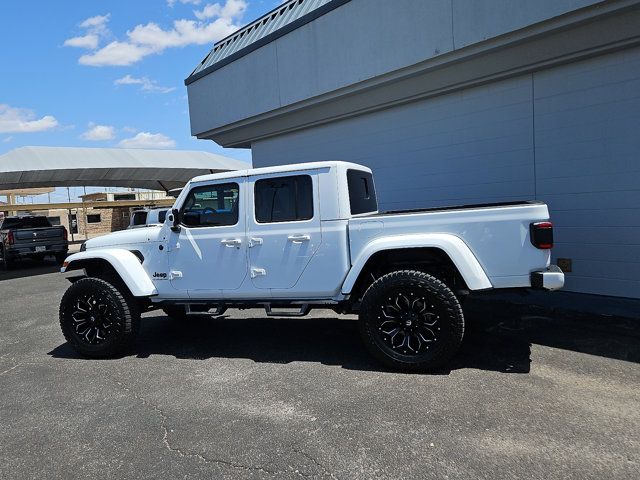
(174, 218)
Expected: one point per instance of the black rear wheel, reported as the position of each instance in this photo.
(410, 320)
(96, 318)
(5, 262)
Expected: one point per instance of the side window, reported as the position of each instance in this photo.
(284, 199)
(139, 218)
(211, 206)
(362, 194)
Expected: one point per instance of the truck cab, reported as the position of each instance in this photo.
(310, 235)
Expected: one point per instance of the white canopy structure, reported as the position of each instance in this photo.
(30, 167)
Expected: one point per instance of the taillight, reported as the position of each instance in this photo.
(65, 234)
(542, 235)
(10, 239)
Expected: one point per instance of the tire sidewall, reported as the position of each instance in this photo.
(436, 291)
(123, 318)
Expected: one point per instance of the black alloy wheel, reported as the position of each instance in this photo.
(410, 320)
(97, 319)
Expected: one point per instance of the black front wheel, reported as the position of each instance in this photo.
(411, 321)
(97, 319)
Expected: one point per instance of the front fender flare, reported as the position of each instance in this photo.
(125, 263)
(457, 250)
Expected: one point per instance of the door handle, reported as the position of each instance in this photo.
(231, 242)
(253, 241)
(299, 238)
(258, 272)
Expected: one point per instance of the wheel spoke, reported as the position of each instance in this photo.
(92, 319)
(402, 302)
(409, 322)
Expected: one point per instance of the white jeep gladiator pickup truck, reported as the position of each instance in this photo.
(291, 238)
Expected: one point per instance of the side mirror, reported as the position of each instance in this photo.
(174, 219)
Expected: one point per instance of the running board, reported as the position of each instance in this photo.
(304, 310)
(217, 311)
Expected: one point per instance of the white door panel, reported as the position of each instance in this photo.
(280, 249)
(207, 259)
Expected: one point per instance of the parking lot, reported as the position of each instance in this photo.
(253, 397)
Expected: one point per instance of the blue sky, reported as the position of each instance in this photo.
(106, 74)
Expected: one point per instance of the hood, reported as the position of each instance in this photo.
(126, 237)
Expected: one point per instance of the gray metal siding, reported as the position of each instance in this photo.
(357, 41)
(478, 20)
(588, 169)
(439, 152)
(567, 136)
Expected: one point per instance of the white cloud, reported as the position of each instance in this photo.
(231, 9)
(146, 84)
(7, 139)
(96, 24)
(148, 140)
(95, 27)
(89, 41)
(22, 120)
(171, 3)
(99, 133)
(216, 21)
(116, 53)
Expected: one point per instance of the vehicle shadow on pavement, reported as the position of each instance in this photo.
(29, 268)
(330, 341)
(495, 343)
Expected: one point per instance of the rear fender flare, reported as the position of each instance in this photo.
(125, 263)
(457, 250)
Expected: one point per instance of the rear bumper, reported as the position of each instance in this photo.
(550, 279)
(19, 251)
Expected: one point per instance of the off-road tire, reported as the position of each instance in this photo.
(448, 327)
(123, 316)
(5, 263)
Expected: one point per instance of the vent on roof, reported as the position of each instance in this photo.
(275, 21)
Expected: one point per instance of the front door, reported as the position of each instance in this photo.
(284, 230)
(208, 255)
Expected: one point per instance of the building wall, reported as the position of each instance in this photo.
(357, 41)
(111, 220)
(567, 136)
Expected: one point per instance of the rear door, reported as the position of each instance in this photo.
(283, 228)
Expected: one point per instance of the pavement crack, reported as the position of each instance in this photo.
(318, 464)
(15, 365)
(186, 454)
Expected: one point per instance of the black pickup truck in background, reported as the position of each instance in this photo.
(31, 237)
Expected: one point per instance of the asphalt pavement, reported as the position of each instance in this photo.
(246, 396)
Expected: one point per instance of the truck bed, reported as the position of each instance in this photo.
(497, 234)
(455, 207)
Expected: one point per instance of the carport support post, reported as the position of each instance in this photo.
(84, 214)
(73, 239)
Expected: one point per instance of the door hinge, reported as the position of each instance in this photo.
(258, 272)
